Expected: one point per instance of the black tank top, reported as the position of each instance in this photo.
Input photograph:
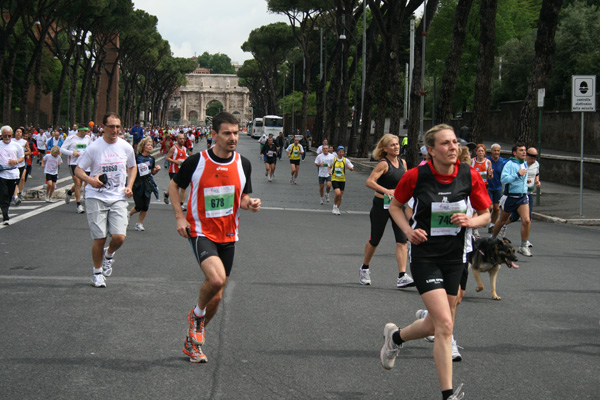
(447, 244)
(390, 179)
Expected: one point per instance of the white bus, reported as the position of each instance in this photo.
(257, 127)
(272, 124)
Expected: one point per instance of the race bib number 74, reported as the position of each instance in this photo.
(441, 214)
(218, 201)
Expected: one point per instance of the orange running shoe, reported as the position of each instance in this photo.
(193, 351)
(196, 329)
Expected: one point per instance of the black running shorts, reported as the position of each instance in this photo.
(204, 248)
(437, 275)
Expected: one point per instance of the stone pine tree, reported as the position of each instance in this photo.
(448, 87)
(542, 65)
(485, 65)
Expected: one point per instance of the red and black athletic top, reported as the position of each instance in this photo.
(437, 197)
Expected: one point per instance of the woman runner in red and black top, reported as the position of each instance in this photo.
(441, 189)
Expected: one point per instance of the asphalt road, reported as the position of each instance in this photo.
(294, 323)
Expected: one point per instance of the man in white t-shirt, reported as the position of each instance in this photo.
(11, 154)
(73, 131)
(111, 161)
(74, 147)
(324, 162)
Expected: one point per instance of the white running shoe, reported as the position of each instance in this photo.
(456, 357)
(107, 264)
(364, 276)
(322, 200)
(67, 197)
(333, 210)
(327, 197)
(80, 209)
(405, 281)
(525, 251)
(458, 393)
(502, 232)
(529, 244)
(421, 314)
(98, 280)
(337, 211)
(139, 227)
(389, 350)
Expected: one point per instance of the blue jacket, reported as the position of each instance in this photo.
(137, 132)
(515, 183)
(497, 166)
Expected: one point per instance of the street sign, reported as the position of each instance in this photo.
(541, 95)
(584, 93)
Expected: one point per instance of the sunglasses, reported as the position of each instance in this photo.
(532, 155)
(113, 126)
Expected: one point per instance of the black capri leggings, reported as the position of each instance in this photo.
(379, 217)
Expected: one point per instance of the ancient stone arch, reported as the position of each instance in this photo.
(201, 89)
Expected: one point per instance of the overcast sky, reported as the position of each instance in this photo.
(216, 26)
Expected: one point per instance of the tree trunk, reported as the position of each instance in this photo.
(485, 65)
(448, 86)
(7, 84)
(542, 65)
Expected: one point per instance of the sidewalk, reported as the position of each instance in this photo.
(558, 203)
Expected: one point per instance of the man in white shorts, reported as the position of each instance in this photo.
(111, 161)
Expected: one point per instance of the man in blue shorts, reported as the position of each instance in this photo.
(514, 177)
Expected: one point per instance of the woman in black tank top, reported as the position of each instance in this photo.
(383, 180)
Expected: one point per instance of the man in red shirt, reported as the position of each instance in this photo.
(220, 185)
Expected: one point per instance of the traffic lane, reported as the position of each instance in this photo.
(322, 330)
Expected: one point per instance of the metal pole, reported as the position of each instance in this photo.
(406, 83)
(581, 172)
(537, 190)
(421, 130)
(412, 58)
(364, 62)
(293, 97)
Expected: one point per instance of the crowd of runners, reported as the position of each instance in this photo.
(435, 209)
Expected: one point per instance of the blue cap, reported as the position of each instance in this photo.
(340, 148)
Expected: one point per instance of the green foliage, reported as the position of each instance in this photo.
(293, 101)
(218, 63)
(214, 107)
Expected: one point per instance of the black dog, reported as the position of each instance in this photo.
(488, 256)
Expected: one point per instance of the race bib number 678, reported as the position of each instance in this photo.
(218, 201)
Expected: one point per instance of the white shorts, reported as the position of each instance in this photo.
(106, 217)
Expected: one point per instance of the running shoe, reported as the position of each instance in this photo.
(421, 314)
(21, 196)
(364, 276)
(525, 251)
(529, 244)
(295, 182)
(183, 207)
(405, 281)
(333, 211)
(107, 264)
(456, 357)
(327, 197)
(491, 229)
(458, 393)
(292, 180)
(389, 350)
(196, 329)
(139, 227)
(6, 222)
(80, 209)
(476, 234)
(502, 232)
(270, 179)
(166, 197)
(67, 197)
(194, 352)
(98, 280)
(322, 201)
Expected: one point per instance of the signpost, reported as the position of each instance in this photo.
(583, 100)
(541, 95)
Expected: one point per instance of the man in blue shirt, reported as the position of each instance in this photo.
(138, 134)
(514, 177)
(494, 184)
